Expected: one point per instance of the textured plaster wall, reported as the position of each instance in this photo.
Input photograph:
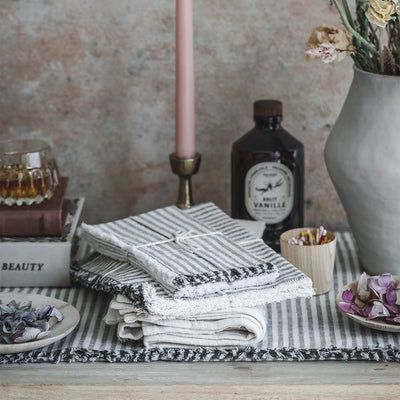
(96, 79)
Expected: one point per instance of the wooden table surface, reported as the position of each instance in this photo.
(177, 380)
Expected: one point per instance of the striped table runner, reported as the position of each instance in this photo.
(298, 329)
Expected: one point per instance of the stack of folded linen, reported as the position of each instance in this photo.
(190, 277)
(187, 257)
(222, 327)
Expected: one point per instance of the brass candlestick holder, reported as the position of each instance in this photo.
(185, 168)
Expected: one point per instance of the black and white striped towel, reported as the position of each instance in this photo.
(132, 283)
(147, 295)
(297, 329)
(182, 251)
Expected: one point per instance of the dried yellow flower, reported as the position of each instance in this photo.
(328, 34)
(380, 11)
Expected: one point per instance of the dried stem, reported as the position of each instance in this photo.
(347, 25)
(381, 57)
(348, 13)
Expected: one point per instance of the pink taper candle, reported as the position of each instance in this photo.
(185, 134)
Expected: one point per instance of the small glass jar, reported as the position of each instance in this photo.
(28, 172)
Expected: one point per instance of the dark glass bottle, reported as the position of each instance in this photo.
(268, 174)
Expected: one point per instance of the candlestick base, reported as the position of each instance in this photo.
(185, 168)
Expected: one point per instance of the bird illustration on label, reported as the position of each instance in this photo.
(270, 186)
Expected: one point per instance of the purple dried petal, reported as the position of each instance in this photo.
(362, 287)
(378, 310)
(393, 308)
(391, 296)
(29, 317)
(386, 281)
(348, 296)
(55, 312)
(11, 325)
(393, 321)
(346, 307)
(17, 335)
(376, 287)
(357, 310)
(365, 311)
(43, 311)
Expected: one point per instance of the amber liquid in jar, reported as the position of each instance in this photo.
(22, 186)
(23, 183)
(267, 170)
(26, 177)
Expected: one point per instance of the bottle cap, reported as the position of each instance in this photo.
(267, 108)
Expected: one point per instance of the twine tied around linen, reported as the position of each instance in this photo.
(181, 239)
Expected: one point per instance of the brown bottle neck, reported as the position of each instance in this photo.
(268, 124)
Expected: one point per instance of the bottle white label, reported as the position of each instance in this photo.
(269, 192)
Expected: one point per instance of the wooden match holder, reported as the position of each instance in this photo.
(44, 219)
(316, 261)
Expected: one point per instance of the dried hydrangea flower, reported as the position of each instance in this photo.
(384, 285)
(329, 34)
(326, 52)
(380, 11)
(20, 323)
(376, 297)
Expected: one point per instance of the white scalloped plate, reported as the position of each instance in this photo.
(378, 323)
(59, 331)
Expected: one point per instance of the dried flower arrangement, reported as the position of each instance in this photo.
(20, 323)
(372, 38)
(375, 297)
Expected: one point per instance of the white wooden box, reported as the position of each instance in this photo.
(40, 261)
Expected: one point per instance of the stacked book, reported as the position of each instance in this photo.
(192, 277)
(37, 241)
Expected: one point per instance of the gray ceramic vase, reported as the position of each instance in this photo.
(363, 159)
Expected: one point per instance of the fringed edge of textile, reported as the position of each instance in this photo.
(144, 298)
(379, 354)
(231, 275)
(108, 285)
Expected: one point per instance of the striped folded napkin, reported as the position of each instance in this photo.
(188, 252)
(230, 327)
(132, 284)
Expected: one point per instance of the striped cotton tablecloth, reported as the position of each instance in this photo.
(298, 329)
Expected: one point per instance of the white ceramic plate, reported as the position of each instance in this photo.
(377, 323)
(57, 332)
